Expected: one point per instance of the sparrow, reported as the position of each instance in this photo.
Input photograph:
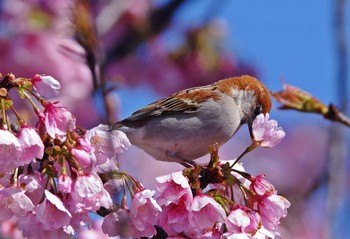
(181, 127)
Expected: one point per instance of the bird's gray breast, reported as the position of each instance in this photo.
(189, 134)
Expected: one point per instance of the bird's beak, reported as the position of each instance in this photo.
(250, 127)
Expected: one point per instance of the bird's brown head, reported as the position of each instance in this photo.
(261, 102)
(263, 98)
(248, 84)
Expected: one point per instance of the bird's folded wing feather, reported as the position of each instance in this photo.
(161, 107)
(186, 101)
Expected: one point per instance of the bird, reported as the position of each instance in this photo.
(180, 128)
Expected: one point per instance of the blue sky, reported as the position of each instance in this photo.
(289, 38)
(292, 39)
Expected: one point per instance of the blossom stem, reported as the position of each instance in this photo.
(244, 174)
(15, 177)
(134, 182)
(20, 120)
(232, 194)
(245, 196)
(245, 191)
(34, 94)
(35, 107)
(53, 184)
(4, 117)
(123, 203)
(76, 164)
(247, 150)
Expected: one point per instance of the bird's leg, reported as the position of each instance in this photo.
(188, 164)
(185, 162)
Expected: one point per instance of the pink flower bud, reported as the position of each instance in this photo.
(261, 186)
(266, 132)
(31, 143)
(65, 183)
(46, 86)
(83, 158)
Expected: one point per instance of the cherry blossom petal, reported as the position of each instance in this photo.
(173, 188)
(272, 208)
(205, 212)
(144, 212)
(266, 132)
(10, 147)
(46, 86)
(31, 143)
(65, 183)
(58, 120)
(14, 202)
(107, 142)
(52, 213)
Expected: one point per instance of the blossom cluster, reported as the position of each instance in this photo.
(217, 200)
(50, 173)
(240, 206)
(56, 173)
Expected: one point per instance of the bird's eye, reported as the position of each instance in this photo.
(258, 110)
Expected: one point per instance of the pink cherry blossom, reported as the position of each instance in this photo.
(93, 232)
(117, 223)
(85, 144)
(261, 186)
(5, 178)
(173, 188)
(65, 183)
(88, 194)
(177, 237)
(9, 229)
(10, 150)
(266, 132)
(242, 220)
(214, 233)
(107, 142)
(204, 213)
(272, 208)
(52, 213)
(263, 233)
(108, 166)
(144, 212)
(175, 198)
(174, 217)
(58, 120)
(84, 158)
(14, 202)
(46, 86)
(88, 185)
(33, 228)
(31, 144)
(34, 185)
(20, 150)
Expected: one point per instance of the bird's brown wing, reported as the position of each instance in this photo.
(186, 102)
(161, 107)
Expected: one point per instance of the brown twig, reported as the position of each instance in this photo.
(336, 115)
